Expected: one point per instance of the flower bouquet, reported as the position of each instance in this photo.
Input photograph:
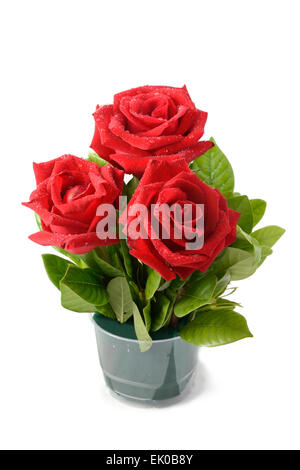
(151, 256)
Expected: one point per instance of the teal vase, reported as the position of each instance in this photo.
(160, 373)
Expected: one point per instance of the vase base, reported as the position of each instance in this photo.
(147, 394)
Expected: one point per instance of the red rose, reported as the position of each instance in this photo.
(149, 121)
(69, 191)
(166, 182)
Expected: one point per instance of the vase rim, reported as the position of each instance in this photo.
(172, 338)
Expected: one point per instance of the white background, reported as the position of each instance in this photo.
(240, 62)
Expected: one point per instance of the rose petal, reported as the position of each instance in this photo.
(97, 146)
(184, 272)
(76, 244)
(85, 242)
(103, 116)
(144, 252)
(157, 131)
(134, 124)
(43, 170)
(117, 127)
(192, 138)
(137, 165)
(180, 95)
(48, 239)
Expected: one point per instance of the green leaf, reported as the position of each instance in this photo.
(242, 204)
(131, 186)
(258, 207)
(56, 268)
(102, 252)
(94, 261)
(126, 258)
(165, 285)
(152, 283)
(172, 296)
(196, 294)
(178, 283)
(116, 262)
(214, 169)
(145, 341)
(147, 315)
(161, 309)
(38, 221)
(269, 235)
(82, 291)
(265, 252)
(248, 243)
(221, 304)
(120, 298)
(229, 291)
(215, 328)
(227, 303)
(107, 311)
(76, 258)
(238, 263)
(94, 157)
(222, 284)
(135, 292)
(89, 260)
